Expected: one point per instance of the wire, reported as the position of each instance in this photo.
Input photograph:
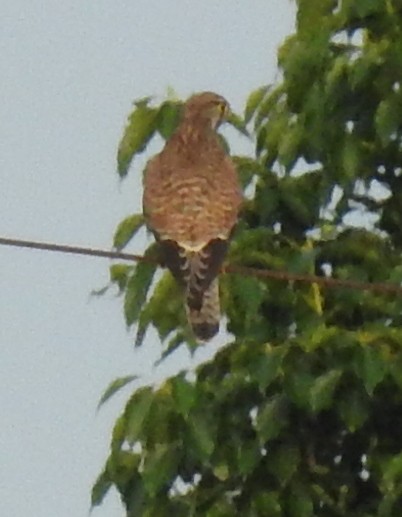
(74, 250)
(228, 268)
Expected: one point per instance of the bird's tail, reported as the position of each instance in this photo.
(205, 319)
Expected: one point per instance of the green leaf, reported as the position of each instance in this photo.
(118, 434)
(298, 206)
(276, 126)
(220, 508)
(143, 102)
(248, 455)
(322, 390)
(351, 157)
(288, 150)
(119, 274)
(268, 105)
(300, 503)
(370, 366)
(396, 369)
(143, 323)
(135, 498)
(122, 467)
(163, 424)
(115, 386)
(136, 412)
(388, 118)
(354, 410)
(168, 118)
(268, 367)
(238, 123)
(336, 77)
(164, 308)
(221, 471)
(271, 419)
(247, 168)
(140, 129)
(261, 138)
(387, 504)
(173, 344)
(202, 434)
(319, 335)
(100, 489)
(284, 463)
(392, 471)
(138, 286)
(253, 101)
(184, 394)
(363, 8)
(127, 229)
(266, 504)
(244, 298)
(298, 385)
(160, 467)
(362, 70)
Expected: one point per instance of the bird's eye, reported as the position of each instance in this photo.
(221, 108)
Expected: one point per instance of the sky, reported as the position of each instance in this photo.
(69, 74)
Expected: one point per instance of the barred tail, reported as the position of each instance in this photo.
(205, 320)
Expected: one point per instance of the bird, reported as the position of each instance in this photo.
(191, 203)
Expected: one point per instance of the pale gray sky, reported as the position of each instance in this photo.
(69, 72)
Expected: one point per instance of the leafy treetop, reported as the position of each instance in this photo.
(300, 414)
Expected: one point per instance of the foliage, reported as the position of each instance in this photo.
(301, 414)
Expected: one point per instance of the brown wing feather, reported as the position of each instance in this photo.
(194, 270)
(205, 320)
(175, 259)
(204, 267)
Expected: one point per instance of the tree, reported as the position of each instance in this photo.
(300, 414)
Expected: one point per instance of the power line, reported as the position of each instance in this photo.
(228, 268)
(73, 250)
(379, 287)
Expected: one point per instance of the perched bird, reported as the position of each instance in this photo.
(191, 202)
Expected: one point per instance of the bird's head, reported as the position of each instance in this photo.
(208, 107)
